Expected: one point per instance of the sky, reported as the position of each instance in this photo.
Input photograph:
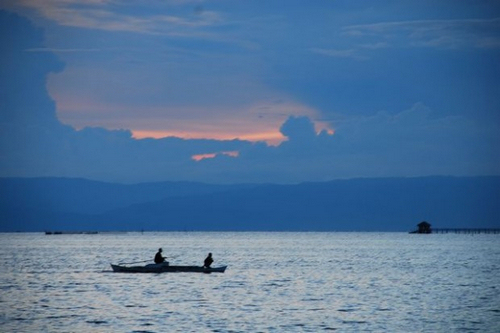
(233, 91)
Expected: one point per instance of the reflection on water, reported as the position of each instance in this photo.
(282, 282)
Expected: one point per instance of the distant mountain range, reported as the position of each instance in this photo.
(371, 204)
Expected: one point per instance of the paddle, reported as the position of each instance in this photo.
(135, 262)
(142, 261)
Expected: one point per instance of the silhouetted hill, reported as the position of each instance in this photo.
(26, 203)
(378, 204)
(86, 196)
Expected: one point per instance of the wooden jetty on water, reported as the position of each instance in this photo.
(424, 227)
(466, 230)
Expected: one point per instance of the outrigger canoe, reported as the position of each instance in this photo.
(166, 268)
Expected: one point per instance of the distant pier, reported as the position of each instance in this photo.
(424, 227)
(465, 231)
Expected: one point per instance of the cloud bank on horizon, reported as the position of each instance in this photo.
(239, 92)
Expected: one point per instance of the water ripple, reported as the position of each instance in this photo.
(293, 282)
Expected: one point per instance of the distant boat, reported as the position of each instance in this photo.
(71, 232)
(165, 268)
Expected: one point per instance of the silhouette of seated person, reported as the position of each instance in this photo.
(208, 261)
(158, 257)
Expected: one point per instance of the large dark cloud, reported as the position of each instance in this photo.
(298, 129)
(23, 96)
(34, 143)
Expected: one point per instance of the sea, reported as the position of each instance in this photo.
(275, 282)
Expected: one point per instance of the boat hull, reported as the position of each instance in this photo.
(159, 268)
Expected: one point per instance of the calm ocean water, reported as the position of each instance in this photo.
(275, 282)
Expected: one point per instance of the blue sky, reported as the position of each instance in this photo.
(249, 91)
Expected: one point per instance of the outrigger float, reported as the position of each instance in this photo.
(166, 268)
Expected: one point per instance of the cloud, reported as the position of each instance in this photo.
(109, 16)
(347, 53)
(440, 34)
(173, 105)
(23, 89)
(257, 121)
(417, 142)
(105, 92)
(53, 50)
(412, 142)
(298, 129)
(478, 33)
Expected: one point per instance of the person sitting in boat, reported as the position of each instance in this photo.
(208, 261)
(158, 257)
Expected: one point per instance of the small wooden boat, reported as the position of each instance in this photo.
(166, 268)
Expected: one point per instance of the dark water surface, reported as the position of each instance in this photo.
(275, 282)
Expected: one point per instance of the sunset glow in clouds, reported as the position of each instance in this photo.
(256, 130)
(200, 157)
(235, 91)
(259, 122)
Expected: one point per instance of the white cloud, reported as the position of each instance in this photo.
(104, 15)
(374, 46)
(54, 50)
(430, 33)
(347, 53)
